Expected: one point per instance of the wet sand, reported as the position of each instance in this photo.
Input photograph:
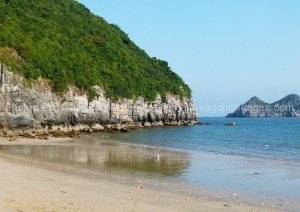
(37, 185)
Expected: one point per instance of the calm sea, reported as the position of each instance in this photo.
(273, 138)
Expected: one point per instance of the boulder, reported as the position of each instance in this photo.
(147, 124)
(231, 124)
(97, 127)
(20, 120)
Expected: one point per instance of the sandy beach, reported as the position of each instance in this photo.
(27, 187)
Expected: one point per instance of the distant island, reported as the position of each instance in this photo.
(289, 106)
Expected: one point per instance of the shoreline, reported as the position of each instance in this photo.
(169, 200)
(70, 131)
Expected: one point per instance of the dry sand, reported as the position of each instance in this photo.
(30, 188)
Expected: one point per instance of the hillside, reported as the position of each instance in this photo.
(288, 106)
(61, 40)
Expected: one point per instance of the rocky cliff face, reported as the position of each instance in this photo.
(36, 106)
(289, 106)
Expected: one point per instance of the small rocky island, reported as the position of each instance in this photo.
(289, 106)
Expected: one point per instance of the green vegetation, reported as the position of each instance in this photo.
(10, 58)
(61, 40)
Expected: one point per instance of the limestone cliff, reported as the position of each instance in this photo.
(289, 106)
(35, 106)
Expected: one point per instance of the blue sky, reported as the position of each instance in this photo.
(226, 50)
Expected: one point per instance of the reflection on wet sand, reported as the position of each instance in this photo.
(170, 164)
(92, 153)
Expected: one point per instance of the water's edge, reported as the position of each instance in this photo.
(172, 171)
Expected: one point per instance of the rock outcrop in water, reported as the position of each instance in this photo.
(289, 106)
(35, 106)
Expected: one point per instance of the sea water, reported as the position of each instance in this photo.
(272, 138)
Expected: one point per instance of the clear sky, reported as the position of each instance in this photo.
(226, 50)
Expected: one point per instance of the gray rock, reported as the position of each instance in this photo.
(231, 123)
(289, 106)
(20, 120)
(36, 106)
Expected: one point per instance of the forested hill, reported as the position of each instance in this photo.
(61, 40)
